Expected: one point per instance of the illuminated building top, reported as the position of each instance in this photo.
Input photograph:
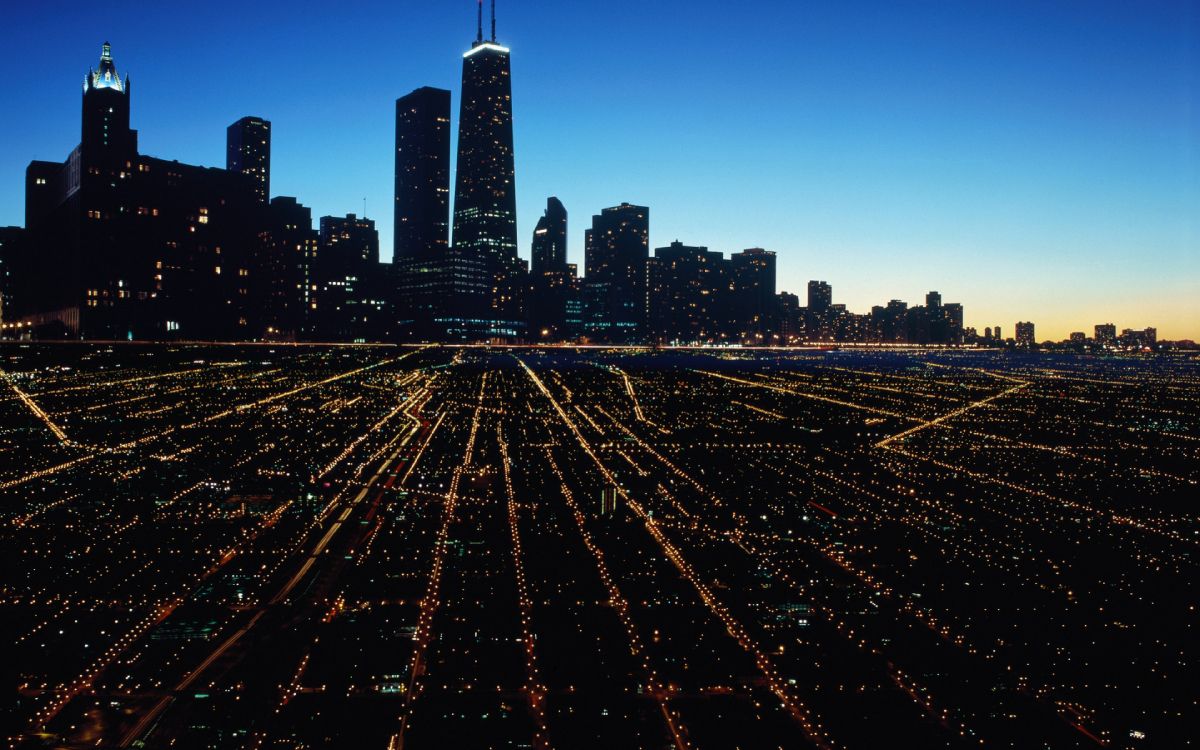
(105, 76)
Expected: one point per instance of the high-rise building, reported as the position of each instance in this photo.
(553, 285)
(1025, 334)
(820, 317)
(485, 197)
(752, 295)
(1144, 339)
(952, 316)
(11, 275)
(422, 211)
(350, 289)
(790, 320)
(616, 254)
(820, 296)
(891, 322)
(1106, 334)
(550, 239)
(106, 135)
(287, 258)
(248, 151)
(689, 290)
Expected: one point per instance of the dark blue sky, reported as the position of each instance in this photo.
(1032, 159)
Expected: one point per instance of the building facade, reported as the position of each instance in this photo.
(617, 248)
(248, 152)
(422, 199)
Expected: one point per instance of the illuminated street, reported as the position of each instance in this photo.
(274, 546)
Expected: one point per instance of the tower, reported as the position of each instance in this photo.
(248, 151)
(106, 133)
(553, 283)
(820, 296)
(422, 227)
(485, 198)
(617, 253)
(550, 239)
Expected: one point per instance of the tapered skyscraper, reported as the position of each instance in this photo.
(485, 197)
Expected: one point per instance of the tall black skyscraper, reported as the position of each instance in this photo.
(820, 296)
(106, 131)
(422, 226)
(248, 151)
(752, 277)
(550, 239)
(347, 276)
(485, 198)
(689, 294)
(553, 283)
(616, 257)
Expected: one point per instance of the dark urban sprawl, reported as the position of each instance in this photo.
(281, 546)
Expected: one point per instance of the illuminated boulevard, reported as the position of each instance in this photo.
(441, 547)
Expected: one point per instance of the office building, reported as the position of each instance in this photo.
(553, 286)
(1025, 334)
(350, 286)
(485, 198)
(248, 152)
(689, 293)
(422, 199)
(752, 296)
(617, 247)
(820, 296)
(286, 272)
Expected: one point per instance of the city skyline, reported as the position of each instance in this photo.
(1134, 286)
(831, 382)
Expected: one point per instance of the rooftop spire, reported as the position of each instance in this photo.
(105, 76)
(493, 20)
(479, 24)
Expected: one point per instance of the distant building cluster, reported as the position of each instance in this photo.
(122, 246)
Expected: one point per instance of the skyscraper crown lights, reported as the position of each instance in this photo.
(105, 76)
(485, 45)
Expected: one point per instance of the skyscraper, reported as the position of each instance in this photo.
(616, 254)
(752, 277)
(287, 268)
(1025, 334)
(553, 285)
(550, 239)
(106, 131)
(1106, 334)
(820, 315)
(689, 292)
(485, 198)
(248, 151)
(422, 210)
(820, 296)
(347, 278)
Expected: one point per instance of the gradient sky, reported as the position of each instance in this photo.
(1033, 159)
